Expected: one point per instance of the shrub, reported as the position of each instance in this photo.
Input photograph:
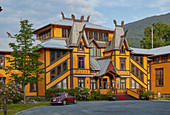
(52, 91)
(95, 95)
(11, 91)
(34, 98)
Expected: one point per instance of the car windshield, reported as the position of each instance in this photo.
(59, 95)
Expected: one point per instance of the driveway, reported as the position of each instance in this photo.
(133, 107)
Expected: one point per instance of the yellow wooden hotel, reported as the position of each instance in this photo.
(77, 53)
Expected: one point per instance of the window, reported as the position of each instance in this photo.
(122, 50)
(56, 54)
(62, 84)
(141, 76)
(91, 35)
(123, 84)
(159, 76)
(135, 85)
(33, 86)
(122, 63)
(94, 51)
(53, 74)
(81, 62)
(105, 36)
(93, 84)
(141, 60)
(44, 35)
(156, 60)
(2, 62)
(57, 71)
(112, 84)
(100, 36)
(164, 58)
(81, 47)
(81, 82)
(133, 68)
(96, 35)
(65, 32)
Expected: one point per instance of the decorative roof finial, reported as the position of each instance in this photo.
(82, 18)
(88, 18)
(122, 23)
(62, 15)
(115, 22)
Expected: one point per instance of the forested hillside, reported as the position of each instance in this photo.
(136, 29)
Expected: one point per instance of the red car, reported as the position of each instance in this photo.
(63, 98)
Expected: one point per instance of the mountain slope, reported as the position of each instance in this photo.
(136, 29)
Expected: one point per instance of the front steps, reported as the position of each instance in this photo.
(124, 97)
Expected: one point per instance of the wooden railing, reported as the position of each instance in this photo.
(121, 91)
(133, 94)
(104, 91)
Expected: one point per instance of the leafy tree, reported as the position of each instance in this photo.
(24, 58)
(161, 36)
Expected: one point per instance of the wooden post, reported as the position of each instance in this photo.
(102, 83)
(5, 108)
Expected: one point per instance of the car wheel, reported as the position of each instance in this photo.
(75, 101)
(64, 102)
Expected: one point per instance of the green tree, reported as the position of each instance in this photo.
(161, 36)
(25, 58)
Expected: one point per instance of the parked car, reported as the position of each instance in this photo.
(63, 98)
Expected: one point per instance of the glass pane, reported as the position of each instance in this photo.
(96, 35)
(65, 84)
(59, 85)
(59, 70)
(52, 56)
(64, 66)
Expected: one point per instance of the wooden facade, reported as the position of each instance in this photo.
(70, 68)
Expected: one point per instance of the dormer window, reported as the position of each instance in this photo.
(122, 50)
(94, 51)
(65, 32)
(81, 46)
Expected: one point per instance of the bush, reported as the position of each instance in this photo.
(95, 95)
(52, 91)
(34, 98)
(11, 91)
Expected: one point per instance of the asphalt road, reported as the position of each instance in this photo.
(133, 107)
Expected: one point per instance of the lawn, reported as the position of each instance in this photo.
(12, 109)
(161, 98)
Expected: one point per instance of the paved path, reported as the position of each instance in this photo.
(133, 107)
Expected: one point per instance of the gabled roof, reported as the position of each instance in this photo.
(118, 38)
(94, 64)
(77, 32)
(100, 44)
(70, 23)
(103, 65)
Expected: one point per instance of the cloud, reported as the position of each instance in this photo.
(43, 12)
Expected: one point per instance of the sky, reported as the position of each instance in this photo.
(102, 12)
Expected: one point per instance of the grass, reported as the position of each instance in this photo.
(12, 109)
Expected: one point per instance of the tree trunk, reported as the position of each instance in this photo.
(24, 96)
